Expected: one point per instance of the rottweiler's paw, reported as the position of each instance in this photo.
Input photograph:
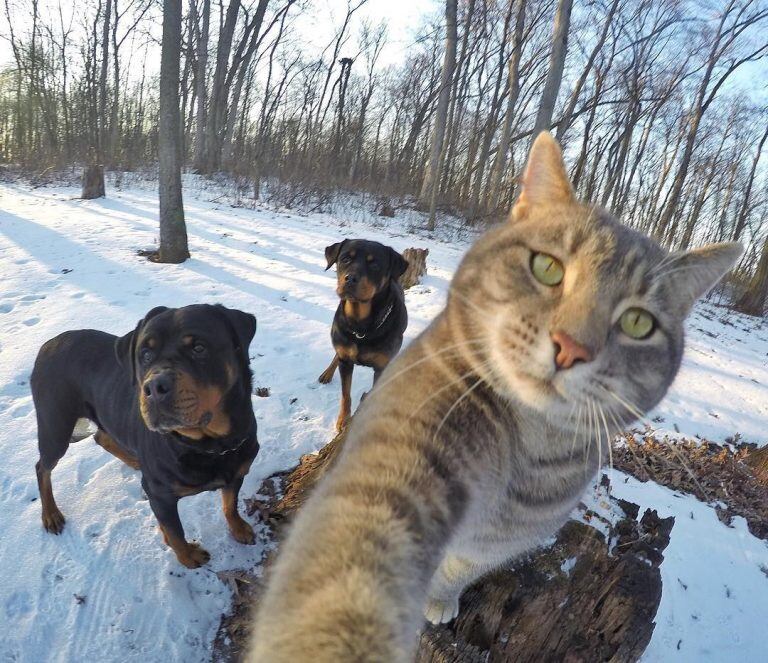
(326, 376)
(242, 532)
(194, 556)
(53, 521)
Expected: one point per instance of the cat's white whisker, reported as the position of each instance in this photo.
(590, 435)
(598, 435)
(454, 347)
(467, 300)
(442, 389)
(577, 429)
(609, 439)
(640, 417)
(455, 404)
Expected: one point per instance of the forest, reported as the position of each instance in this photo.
(660, 105)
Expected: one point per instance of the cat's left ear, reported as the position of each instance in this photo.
(692, 274)
(545, 180)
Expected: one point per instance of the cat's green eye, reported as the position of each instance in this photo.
(637, 323)
(547, 269)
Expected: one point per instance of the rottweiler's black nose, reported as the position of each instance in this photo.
(159, 387)
(351, 279)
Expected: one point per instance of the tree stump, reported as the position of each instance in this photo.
(93, 182)
(576, 600)
(417, 267)
(386, 209)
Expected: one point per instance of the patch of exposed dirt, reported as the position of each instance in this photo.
(709, 471)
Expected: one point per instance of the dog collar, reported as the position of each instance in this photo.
(378, 325)
(194, 444)
(231, 449)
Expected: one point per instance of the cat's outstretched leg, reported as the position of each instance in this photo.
(453, 576)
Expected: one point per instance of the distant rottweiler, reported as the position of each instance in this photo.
(172, 399)
(371, 318)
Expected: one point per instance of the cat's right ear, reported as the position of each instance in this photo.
(692, 274)
(545, 180)
(332, 253)
(125, 346)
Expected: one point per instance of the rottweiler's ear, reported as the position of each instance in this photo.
(332, 253)
(125, 346)
(397, 264)
(243, 325)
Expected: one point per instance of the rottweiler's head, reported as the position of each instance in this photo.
(363, 268)
(185, 362)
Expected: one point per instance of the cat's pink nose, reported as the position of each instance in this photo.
(568, 351)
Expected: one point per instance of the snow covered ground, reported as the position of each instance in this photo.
(108, 589)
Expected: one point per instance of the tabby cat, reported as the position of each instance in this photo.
(561, 327)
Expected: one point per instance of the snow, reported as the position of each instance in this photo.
(714, 601)
(108, 589)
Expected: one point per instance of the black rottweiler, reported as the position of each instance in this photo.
(172, 399)
(371, 318)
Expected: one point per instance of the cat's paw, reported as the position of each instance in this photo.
(440, 611)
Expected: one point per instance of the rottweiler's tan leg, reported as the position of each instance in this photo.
(345, 409)
(191, 555)
(108, 444)
(240, 529)
(327, 375)
(53, 519)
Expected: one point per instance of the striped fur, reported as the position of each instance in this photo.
(472, 449)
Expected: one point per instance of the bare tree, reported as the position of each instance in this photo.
(555, 71)
(201, 84)
(173, 230)
(428, 193)
(723, 59)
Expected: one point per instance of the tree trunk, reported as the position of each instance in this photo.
(200, 84)
(500, 160)
(555, 71)
(101, 147)
(475, 209)
(754, 299)
(567, 118)
(173, 231)
(441, 113)
(218, 106)
(741, 219)
(232, 115)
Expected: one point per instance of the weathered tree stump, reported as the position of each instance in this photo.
(386, 209)
(577, 600)
(93, 182)
(417, 267)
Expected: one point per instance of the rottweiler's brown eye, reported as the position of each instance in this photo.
(198, 348)
(146, 355)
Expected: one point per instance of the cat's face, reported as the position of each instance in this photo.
(579, 317)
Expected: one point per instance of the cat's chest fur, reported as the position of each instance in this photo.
(536, 477)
